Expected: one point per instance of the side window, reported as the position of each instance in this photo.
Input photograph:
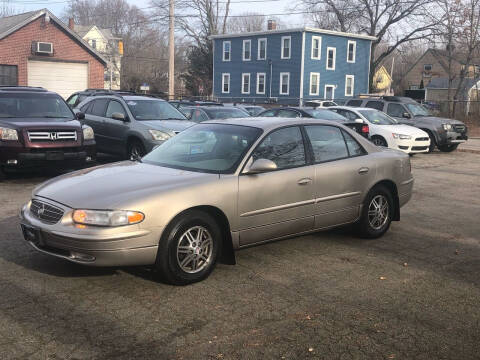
(355, 103)
(87, 108)
(348, 114)
(375, 105)
(115, 107)
(72, 100)
(284, 147)
(99, 107)
(395, 110)
(269, 113)
(288, 114)
(327, 143)
(354, 148)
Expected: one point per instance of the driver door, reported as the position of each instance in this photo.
(280, 202)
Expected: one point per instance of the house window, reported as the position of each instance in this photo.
(316, 47)
(314, 83)
(247, 50)
(284, 83)
(262, 49)
(261, 83)
(286, 47)
(246, 83)
(349, 85)
(413, 87)
(351, 51)
(329, 93)
(94, 43)
(225, 83)
(227, 48)
(427, 67)
(331, 54)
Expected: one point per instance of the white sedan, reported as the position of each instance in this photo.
(386, 131)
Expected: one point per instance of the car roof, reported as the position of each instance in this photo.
(25, 89)
(267, 123)
(352, 108)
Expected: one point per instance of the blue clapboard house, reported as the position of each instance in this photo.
(290, 66)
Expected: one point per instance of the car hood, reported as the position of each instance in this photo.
(21, 123)
(174, 125)
(439, 120)
(103, 187)
(404, 129)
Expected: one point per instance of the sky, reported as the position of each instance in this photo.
(237, 7)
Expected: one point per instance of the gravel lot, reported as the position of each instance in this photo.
(414, 294)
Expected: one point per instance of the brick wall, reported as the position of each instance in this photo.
(15, 49)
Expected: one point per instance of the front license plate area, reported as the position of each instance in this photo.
(32, 234)
(54, 155)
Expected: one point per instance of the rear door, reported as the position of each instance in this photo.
(94, 117)
(116, 130)
(343, 172)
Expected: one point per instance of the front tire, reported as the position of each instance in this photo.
(447, 148)
(379, 141)
(377, 213)
(189, 249)
(431, 148)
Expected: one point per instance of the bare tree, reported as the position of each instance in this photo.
(247, 22)
(393, 21)
(6, 8)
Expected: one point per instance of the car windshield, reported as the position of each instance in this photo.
(418, 110)
(325, 115)
(226, 113)
(154, 110)
(210, 148)
(254, 110)
(34, 105)
(377, 117)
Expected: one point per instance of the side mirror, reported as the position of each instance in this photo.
(80, 115)
(406, 115)
(360, 121)
(260, 166)
(119, 116)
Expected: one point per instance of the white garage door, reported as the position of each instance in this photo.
(61, 77)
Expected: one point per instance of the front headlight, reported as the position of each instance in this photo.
(447, 127)
(88, 133)
(8, 134)
(401, 136)
(107, 218)
(159, 135)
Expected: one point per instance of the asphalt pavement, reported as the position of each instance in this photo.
(413, 294)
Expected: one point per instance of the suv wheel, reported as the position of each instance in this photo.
(447, 148)
(376, 214)
(188, 252)
(2, 174)
(379, 141)
(432, 142)
(135, 150)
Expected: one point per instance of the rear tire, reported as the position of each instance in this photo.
(448, 148)
(135, 150)
(431, 148)
(379, 141)
(188, 251)
(2, 174)
(377, 213)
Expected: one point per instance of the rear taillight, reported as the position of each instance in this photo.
(365, 129)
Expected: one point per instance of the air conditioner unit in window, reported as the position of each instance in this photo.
(44, 48)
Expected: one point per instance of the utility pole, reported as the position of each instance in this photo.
(171, 51)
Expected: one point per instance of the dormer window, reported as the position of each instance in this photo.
(94, 43)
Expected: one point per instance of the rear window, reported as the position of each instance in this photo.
(355, 103)
(325, 115)
(226, 113)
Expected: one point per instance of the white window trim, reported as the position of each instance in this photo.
(264, 83)
(243, 50)
(325, 91)
(354, 50)
(319, 38)
(223, 51)
(318, 83)
(288, 83)
(334, 57)
(223, 83)
(258, 46)
(290, 47)
(243, 83)
(353, 84)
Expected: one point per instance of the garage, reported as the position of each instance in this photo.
(61, 77)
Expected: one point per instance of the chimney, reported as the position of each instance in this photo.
(272, 25)
(71, 23)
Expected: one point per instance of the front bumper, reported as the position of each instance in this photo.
(451, 137)
(90, 245)
(413, 146)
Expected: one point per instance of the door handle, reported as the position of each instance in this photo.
(363, 170)
(304, 181)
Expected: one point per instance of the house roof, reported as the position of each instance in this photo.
(302, 29)
(82, 30)
(10, 24)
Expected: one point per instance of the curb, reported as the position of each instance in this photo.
(471, 151)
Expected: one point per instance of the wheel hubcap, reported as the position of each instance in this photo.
(378, 142)
(378, 212)
(194, 250)
(135, 153)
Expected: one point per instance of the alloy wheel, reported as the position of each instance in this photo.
(194, 249)
(379, 142)
(378, 210)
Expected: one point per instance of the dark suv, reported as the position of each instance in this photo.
(130, 125)
(37, 128)
(444, 133)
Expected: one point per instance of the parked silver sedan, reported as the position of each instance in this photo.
(217, 187)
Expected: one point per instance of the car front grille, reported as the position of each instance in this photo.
(52, 135)
(45, 212)
(422, 139)
(419, 148)
(459, 128)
